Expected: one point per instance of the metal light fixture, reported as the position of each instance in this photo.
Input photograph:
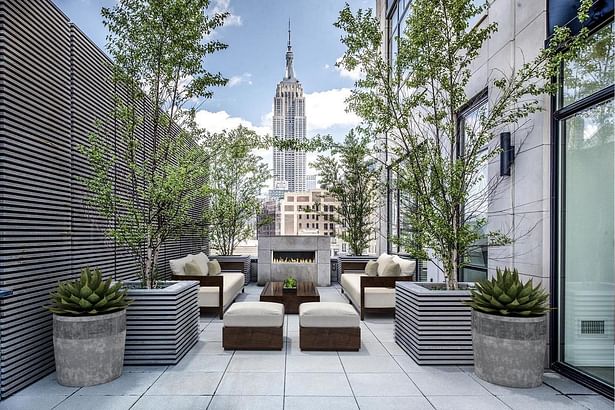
(507, 155)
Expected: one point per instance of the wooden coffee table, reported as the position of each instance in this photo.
(274, 292)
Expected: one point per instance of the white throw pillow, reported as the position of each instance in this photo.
(383, 260)
(407, 266)
(201, 259)
(390, 269)
(177, 265)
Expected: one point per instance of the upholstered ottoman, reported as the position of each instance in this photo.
(253, 326)
(329, 326)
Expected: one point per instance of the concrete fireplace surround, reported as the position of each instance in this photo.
(318, 272)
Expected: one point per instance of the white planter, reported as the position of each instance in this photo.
(433, 326)
(162, 324)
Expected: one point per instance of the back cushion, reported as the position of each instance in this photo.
(390, 269)
(407, 266)
(201, 259)
(177, 265)
(383, 260)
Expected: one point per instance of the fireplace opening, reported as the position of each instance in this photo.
(294, 257)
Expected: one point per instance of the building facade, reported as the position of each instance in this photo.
(558, 202)
(289, 124)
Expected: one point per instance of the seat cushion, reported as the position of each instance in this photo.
(177, 265)
(407, 266)
(327, 314)
(254, 314)
(377, 297)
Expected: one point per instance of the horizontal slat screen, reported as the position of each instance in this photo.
(55, 85)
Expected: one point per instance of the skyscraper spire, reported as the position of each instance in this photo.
(289, 34)
(290, 75)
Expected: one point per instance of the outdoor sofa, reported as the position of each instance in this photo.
(218, 289)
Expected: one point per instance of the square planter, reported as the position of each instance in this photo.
(162, 325)
(433, 326)
(236, 263)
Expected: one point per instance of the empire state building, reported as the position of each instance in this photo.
(289, 123)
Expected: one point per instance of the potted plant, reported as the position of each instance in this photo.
(509, 330)
(149, 186)
(89, 329)
(236, 177)
(290, 285)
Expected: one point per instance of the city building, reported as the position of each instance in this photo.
(311, 182)
(268, 221)
(558, 202)
(289, 124)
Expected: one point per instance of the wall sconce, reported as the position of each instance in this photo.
(507, 155)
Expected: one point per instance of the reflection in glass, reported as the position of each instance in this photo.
(588, 229)
(592, 70)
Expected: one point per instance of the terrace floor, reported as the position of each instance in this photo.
(380, 376)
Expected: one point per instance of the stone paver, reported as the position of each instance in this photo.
(380, 376)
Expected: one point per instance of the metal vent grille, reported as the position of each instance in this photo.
(592, 327)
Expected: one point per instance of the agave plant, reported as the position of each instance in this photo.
(88, 295)
(506, 295)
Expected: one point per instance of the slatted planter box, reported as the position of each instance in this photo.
(236, 263)
(433, 326)
(162, 325)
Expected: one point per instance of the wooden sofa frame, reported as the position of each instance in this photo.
(211, 281)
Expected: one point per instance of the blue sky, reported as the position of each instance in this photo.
(254, 62)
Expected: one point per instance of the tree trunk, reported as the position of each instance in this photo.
(451, 272)
(149, 272)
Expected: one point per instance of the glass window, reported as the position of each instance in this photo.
(475, 209)
(587, 230)
(592, 70)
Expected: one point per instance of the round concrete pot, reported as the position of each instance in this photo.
(509, 351)
(89, 350)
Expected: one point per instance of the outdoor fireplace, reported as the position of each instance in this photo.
(305, 258)
(293, 257)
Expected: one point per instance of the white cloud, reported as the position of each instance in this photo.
(327, 109)
(221, 120)
(223, 6)
(354, 75)
(245, 78)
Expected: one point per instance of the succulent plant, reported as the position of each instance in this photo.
(290, 283)
(506, 295)
(88, 295)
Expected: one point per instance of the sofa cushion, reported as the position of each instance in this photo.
(383, 260)
(192, 268)
(407, 266)
(371, 268)
(232, 285)
(201, 259)
(177, 265)
(213, 268)
(390, 269)
(327, 314)
(254, 314)
(377, 297)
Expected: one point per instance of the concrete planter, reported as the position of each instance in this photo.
(432, 325)
(509, 351)
(162, 324)
(89, 350)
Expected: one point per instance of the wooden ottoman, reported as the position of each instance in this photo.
(329, 326)
(253, 326)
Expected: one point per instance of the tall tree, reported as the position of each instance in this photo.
(146, 192)
(414, 102)
(236, 178)
(351, 176)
